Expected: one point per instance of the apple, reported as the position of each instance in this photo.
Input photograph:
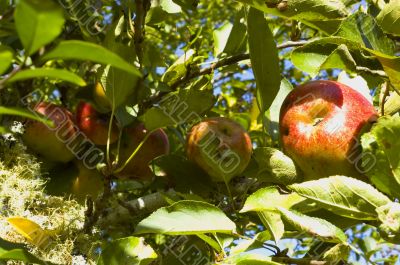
(220, 146)
(156, 145)
(95, 124)
(51, 142)
(320, 124)
(100, 97)
(88, 182)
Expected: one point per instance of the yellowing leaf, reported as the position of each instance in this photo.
(35, 235)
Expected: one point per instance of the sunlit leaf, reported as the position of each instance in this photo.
(57, 74)
(343, 196)
(81, 50)
(38, 22)
(129, 250)
(264, 58)
(187, 218)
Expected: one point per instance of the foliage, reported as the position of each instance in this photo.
(169, 64)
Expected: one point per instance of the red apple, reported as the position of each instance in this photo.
(156, 145)
(320, 123)
(51, 142)
(95, 124)
(220, 146)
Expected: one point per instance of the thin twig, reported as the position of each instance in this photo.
(229, 61)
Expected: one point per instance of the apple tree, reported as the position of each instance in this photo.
(199, 132)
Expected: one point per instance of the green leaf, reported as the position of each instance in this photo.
(339, 252)
(264, 202)
(187, 218)
(51, 73)
(268, 198)
(319, 228)
(317, 56)
(389, 215)
(15, 111)
(6, 57)
(129, 250)
(248, 259)
(273, 221)
(221, 36)
(179, 68)
(237, 40)
(170, 7)
(81, 50)
(275, 167)
(38, 22)
(319, 14)
(18, 252)
(179, 107)
(389, 18)
(392, 104)
(381, 157)
(186, 175)
(273, 112)
(344, 196)
(250, 244)
(118, 84)
(363, 29)
(264, 59)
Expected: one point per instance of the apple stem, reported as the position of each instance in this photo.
(110, 125)
(134, 152)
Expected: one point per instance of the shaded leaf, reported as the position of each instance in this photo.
(313, 226)
(38, 22)
(51, 73)
(273, 112)
(15, 111)
(237, 38)
(275, 167)
(185, 175)
(179, 68)
(381, 158)
(179, 107)
(264, 58)
(316, 56)
(18, 252)
(129, 250)
(363, 29)
(187, 218)
(6, 56)
(344, 196)
(81, 50)
(319, 14)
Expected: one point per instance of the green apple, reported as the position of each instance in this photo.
(220, 146)
(51, 142)
(320, 124)
(157, 144)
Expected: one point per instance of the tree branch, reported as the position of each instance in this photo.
(140, 206)
(287, 260)
(228, 61)
(142, 6)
